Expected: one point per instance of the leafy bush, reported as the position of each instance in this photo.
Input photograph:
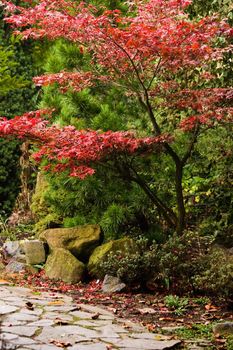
(180, 258)
(133, 268)
(216, 275)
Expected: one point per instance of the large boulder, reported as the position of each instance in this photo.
(80, 240)
(62, 265)
(100, 254)
(34, 251)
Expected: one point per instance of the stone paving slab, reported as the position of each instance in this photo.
(39, 321)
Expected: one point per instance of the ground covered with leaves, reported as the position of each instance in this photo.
(188, 318)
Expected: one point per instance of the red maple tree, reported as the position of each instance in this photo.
(157, 55)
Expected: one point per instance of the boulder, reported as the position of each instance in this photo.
(101, 253)
(12, 248)
(34, 251)
(80, 240)
(62, 265)
(224, 328)
(112, 284)
(15, 266)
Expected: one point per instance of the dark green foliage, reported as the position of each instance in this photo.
(17, 95)
(185, 264)
(216, 274)
(134, 267)
(9, 174)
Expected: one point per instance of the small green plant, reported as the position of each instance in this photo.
(229, 342)
(177, 304)
(196, 331)
(201, 301)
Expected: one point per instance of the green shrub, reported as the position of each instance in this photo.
(179, 260)
(133, 268)
(216, 274)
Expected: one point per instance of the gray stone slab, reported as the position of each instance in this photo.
(55, 315)
(19, 316)
(82, 315)
(16, 323)
(96, 346)
(37, 311)
(111, 331)
(95, 309)
(18, 291)
(93, 323)
(15, 301)
(40, 347)
(17, 340)
(41, 323)
(7, 309)
(20, 330)
(58, 308)
(147, 336)
(144, 344)
(65, 333)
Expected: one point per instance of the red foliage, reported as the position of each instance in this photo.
(150, 48)
(68, 148)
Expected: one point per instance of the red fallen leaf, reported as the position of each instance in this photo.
(109, 347)
(211, 307)
(95, 316)
(60, 344)
(151, 327)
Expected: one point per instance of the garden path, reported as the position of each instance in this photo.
(48, 321)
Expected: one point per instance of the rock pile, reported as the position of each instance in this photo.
(68, 253)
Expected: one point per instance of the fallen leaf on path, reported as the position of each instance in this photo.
(147, 310)
(166, 319)
(56, 302)
(61, 322)
(95, 316)
(60, 344)
(29, 305)
(211, 308)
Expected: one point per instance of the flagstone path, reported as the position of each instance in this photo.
(50, 321)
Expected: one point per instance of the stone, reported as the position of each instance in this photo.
(62, 265)
(101, 253)
(95, 346)
(20, 330)
(145, 344)
(7, 309)
(12, 248)
(15, 266)
(80, 240)
(112, 284)
(224, 328)
(34, 251)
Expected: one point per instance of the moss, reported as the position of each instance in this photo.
(101, 253)
(61, 264)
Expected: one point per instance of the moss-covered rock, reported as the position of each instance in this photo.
(43, 213)
(62, 265)
(80, 240)
(101, 253)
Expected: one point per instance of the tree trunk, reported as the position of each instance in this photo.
(179, 199)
